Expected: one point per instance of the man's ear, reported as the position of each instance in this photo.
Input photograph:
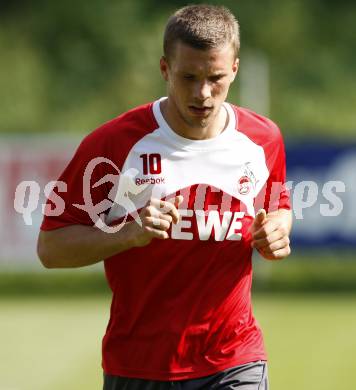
(163, 65)
(235, 68)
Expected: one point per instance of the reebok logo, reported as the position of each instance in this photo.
(149, 180)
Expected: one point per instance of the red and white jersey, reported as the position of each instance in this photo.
(181, 307)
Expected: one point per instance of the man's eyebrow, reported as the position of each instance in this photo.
(213, 74)
(218, 74)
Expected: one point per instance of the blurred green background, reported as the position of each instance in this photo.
(67, 67)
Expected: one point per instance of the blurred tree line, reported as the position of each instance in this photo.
(69, 66)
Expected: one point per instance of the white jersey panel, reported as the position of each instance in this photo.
(162, 163)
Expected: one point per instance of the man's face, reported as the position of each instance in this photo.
(198, 82)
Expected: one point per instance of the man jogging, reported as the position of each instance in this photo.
(201, 184)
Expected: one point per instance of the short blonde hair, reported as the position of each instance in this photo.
(202, 27)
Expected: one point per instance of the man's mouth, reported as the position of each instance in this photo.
(200, 111)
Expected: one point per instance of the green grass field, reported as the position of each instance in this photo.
(311, 340)
(54, 343)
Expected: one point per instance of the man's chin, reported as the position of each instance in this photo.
(200, 122)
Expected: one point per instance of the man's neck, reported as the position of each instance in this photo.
(179, 126)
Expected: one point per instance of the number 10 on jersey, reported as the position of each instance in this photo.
(151, 164)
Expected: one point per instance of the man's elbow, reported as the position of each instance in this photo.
(44, 253)
(45, 259)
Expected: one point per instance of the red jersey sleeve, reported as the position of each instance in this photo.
(274, 194)
(99, 157)
(91, 148)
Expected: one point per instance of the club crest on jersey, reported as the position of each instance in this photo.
(244, 185)
(247, 181)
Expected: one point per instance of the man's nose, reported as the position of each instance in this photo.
(202, 90)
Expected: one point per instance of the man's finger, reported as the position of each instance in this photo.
(265, 230)
(166, 207)
(276, 246)
(161, 205)
(179, 200)
(266, 241)
(157, 233)
(166, 217)
(176, 201)
(275, 255)
(158, 223)
(261, 217)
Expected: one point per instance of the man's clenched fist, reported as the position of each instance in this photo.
(270, 234)
(156, 219)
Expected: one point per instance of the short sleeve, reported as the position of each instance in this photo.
(274, 195)
(86, 161)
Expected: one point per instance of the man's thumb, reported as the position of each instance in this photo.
(178, 200)
(260, 218)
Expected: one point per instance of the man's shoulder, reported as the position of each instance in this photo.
(258, 128)
(121, 133)
(138, 120)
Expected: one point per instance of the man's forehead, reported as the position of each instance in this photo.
(217, 59)
(182, 48)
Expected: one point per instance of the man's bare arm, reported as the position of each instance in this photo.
(79, 245)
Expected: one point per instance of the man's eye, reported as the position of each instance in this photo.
(189, 77)
(215, 79)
